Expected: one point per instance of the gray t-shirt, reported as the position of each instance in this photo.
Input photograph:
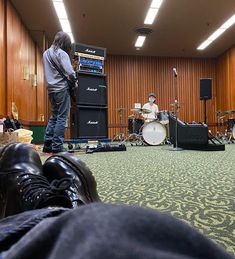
(55, 82)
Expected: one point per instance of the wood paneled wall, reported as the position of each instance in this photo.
(2, 59)
(131, 78)
(225, 85)
(20, 54)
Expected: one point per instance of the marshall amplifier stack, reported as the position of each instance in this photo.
(89, 113)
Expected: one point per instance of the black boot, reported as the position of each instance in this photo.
(47, 147)
(21, 185)
(63, 165)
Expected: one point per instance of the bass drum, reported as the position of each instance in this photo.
(154, 133)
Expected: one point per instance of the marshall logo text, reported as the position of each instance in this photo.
(90, 51)
(92, 122)
(92, 89)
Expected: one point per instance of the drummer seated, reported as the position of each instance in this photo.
(152, 107)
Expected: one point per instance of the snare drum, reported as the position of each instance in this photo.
(163, 117)
(134, 125)
(153, 133)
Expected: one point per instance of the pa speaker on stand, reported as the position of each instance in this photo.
(205, 93)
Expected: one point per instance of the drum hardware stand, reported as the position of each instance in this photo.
(230, 140)
(222, 136)
(120, 136)
(137, 138)
(211, 137)
(176, 106)
(225, 136)
(167, 139)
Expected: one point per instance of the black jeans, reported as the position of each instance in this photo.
(102, 231)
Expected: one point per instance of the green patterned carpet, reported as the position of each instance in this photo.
(198, 187)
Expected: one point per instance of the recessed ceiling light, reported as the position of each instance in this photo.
(60, 10)
(152, 12)
(205, 44)
(229, 22)
(63, 17)
(156, 4)
(217, 33)
(140, 41)
(65, 25)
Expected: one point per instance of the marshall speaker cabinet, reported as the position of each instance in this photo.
(92, 89)
(89, 122)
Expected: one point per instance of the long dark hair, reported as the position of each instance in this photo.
(62, 40)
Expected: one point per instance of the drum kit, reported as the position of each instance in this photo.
(226, 126)
(143, 130)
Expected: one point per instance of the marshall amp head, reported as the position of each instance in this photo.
(89, 58)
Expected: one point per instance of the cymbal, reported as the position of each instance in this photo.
(219, 112)
(146, 111)
(229, 112)
(141, 110)
(120, 109)
(136, 110)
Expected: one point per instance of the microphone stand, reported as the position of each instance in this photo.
(176, 104)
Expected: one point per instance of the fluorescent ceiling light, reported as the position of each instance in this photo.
(204, 45)
(152, 12)
(229, 22)
(140, 41)
(149, 19)
(63, 17)
(65, 25)
(217, 33)
(156, 4)
(151, 16)
(60, 10)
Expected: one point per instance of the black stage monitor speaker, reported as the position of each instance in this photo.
(205, 88)
(89, 122)
(92, 89)
(189, 135)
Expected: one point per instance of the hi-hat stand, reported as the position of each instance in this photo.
(120, 136)
(134, 138)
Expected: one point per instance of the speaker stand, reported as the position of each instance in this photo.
(205, 117)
